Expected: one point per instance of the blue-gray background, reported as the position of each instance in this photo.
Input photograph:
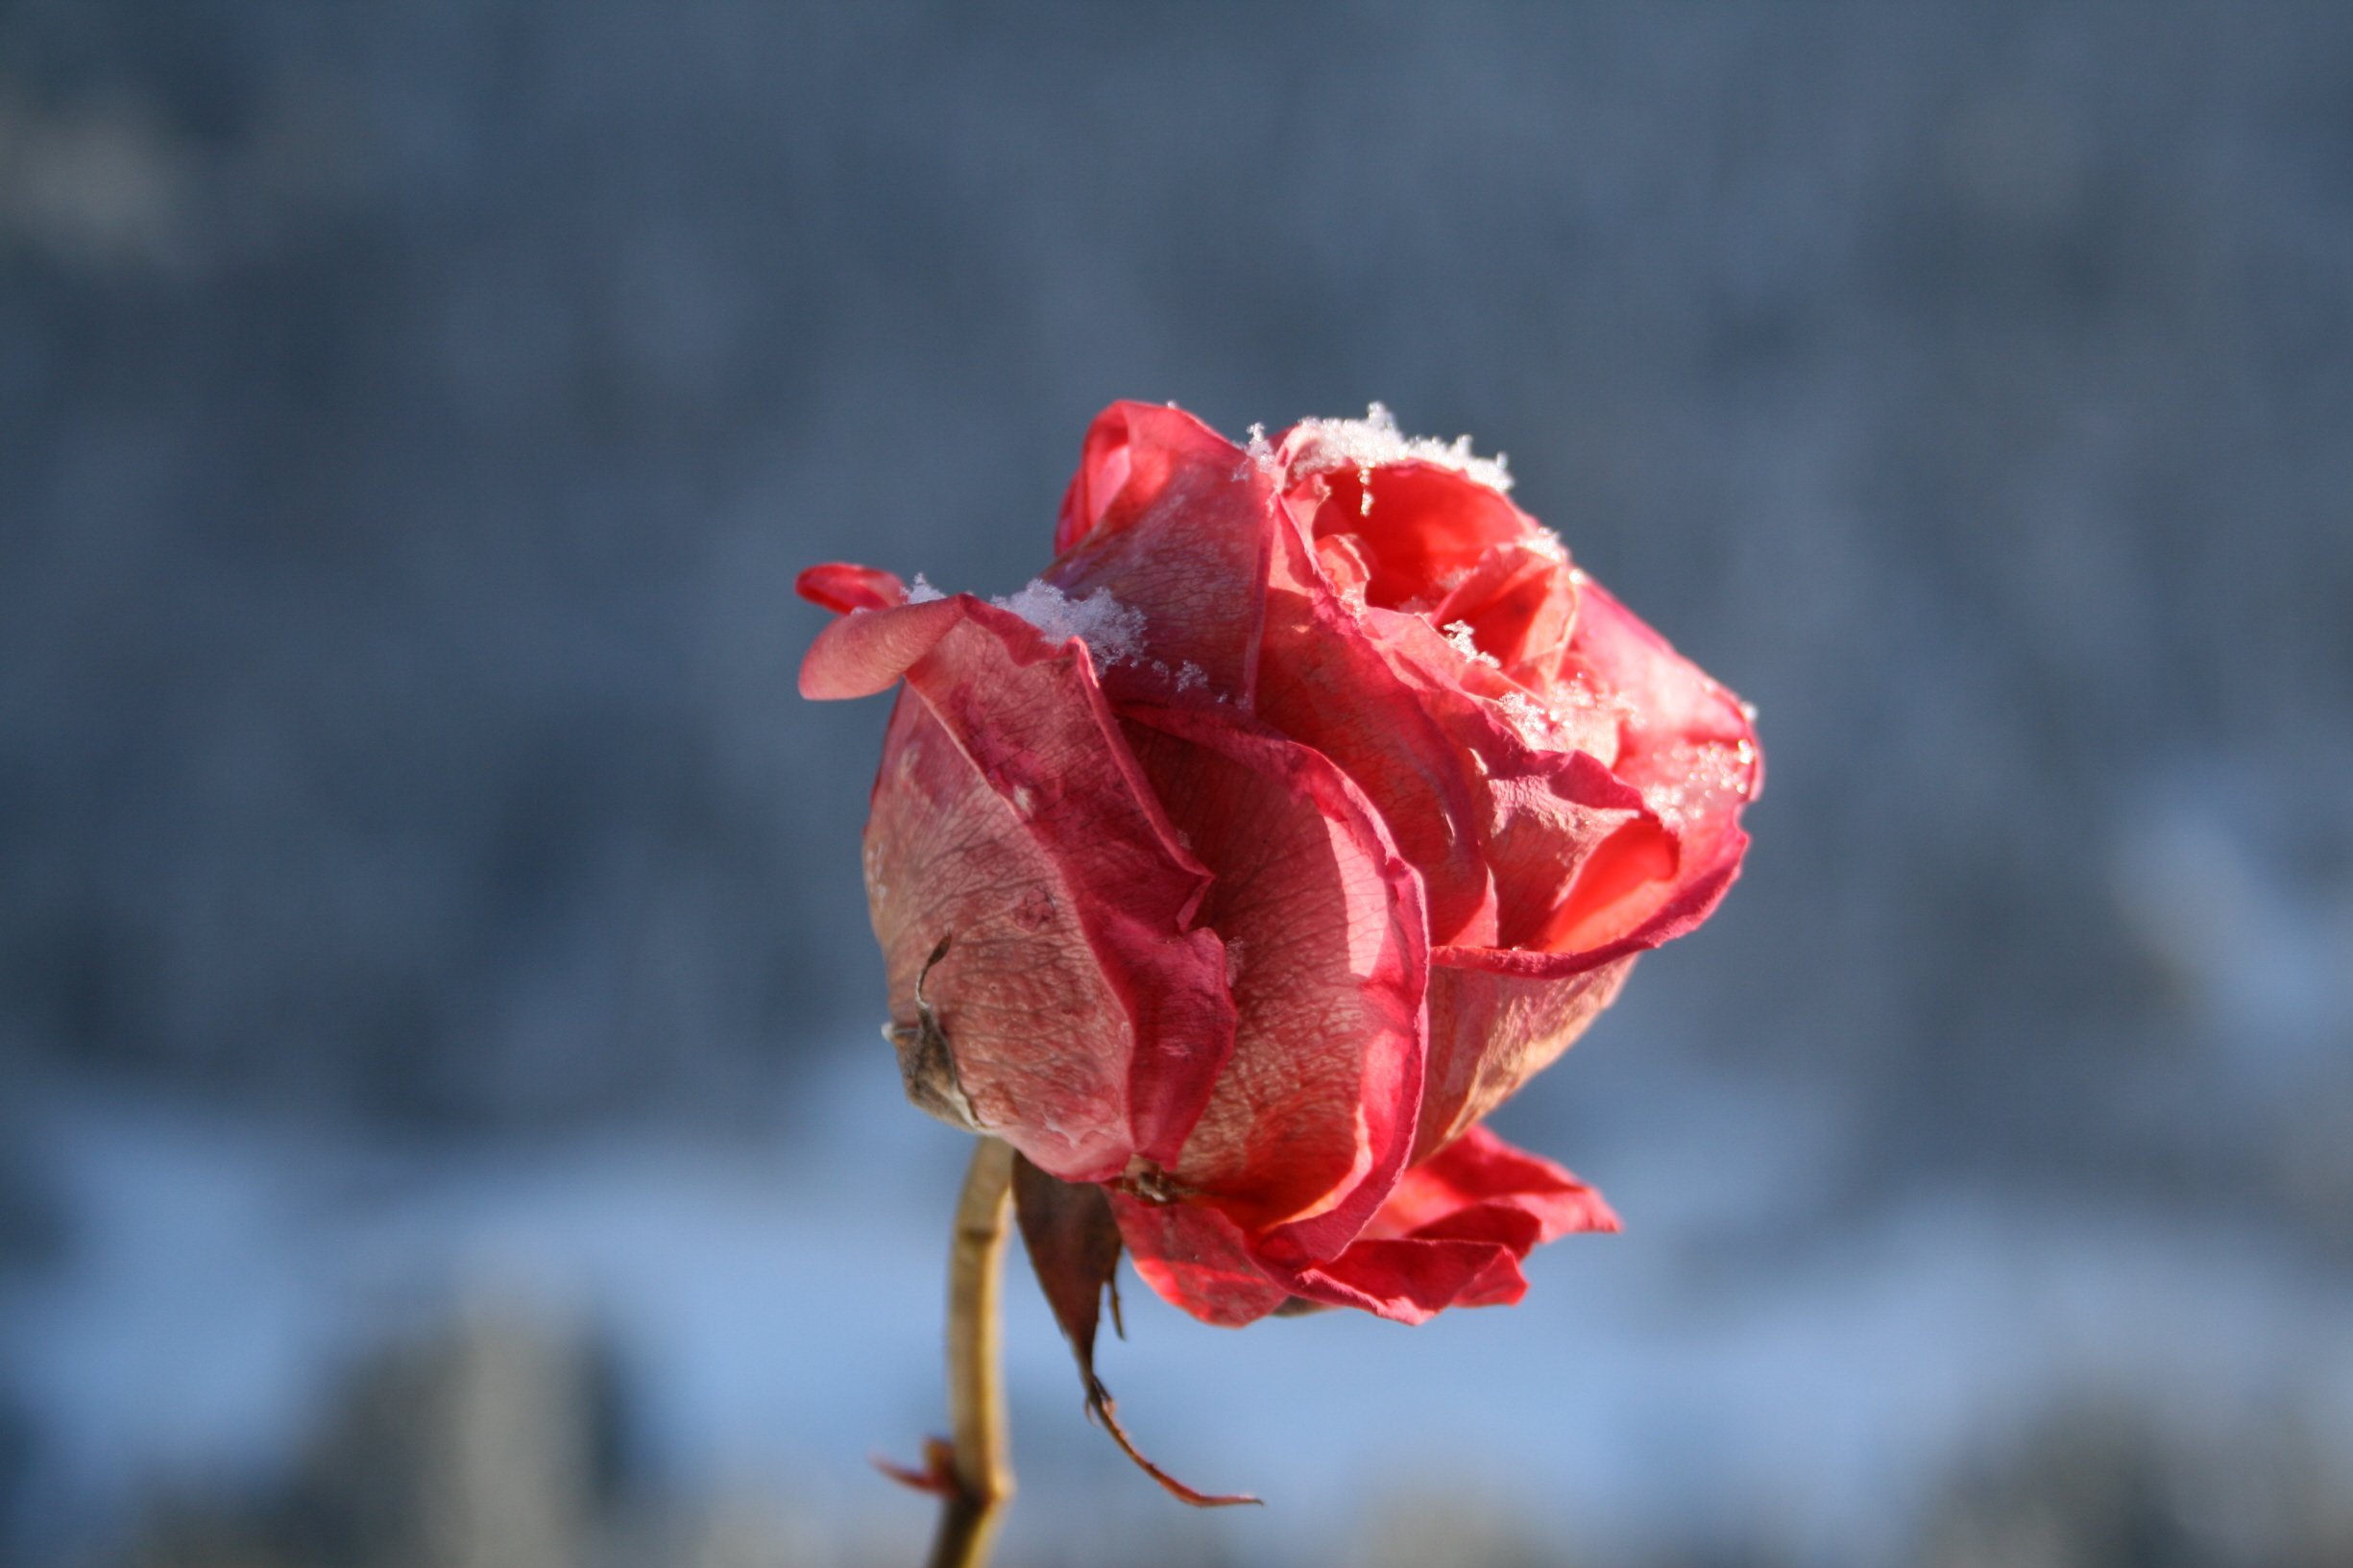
(432, 957)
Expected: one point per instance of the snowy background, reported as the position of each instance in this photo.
(440, 1119)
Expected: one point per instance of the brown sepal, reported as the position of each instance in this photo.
(1074, 1245)
(926, 1066)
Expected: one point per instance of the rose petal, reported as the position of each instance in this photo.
(1521, 604)
(1324, 923)
(1539, 807)
(1433, 540)
(842, 588)
(1692, 900)
(1586, 855)
(1585, 872)
(1490, 1031)
(1620, 880)
(1107, 459)
(1084, 1008)
(867, 650)
(1426, 524)
(1412, 1282)
(1498, 1016)
(1322, 681)
(1196, 1260)
(1690, 747)
(1175, 521)
(1461, 1190)
(1454, 1230)
(1664, 695)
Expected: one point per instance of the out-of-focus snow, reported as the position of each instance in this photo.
(772, 1317)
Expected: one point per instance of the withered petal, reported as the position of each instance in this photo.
(1074, 1245)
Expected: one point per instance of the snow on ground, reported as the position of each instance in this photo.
(775, 1313)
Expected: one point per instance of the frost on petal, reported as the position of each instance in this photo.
(1665, 695)
(1111, 631)
(1595, 821)
(1175, 524)
(1260, 451)
(1689, 745)
(1462, 638)
(1498, 825)
(1516, 607)
(1083, 1006)
(1323, 445)
(1306, 1129)
(1579, 865)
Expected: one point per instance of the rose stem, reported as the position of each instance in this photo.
(980, 1462)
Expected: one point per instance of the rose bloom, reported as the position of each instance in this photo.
(1308, 804)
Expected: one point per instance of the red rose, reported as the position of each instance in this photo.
(1307, 805)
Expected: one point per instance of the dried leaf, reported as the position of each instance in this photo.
(1074, 1245)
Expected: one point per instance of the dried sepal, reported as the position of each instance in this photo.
(1074, 1245)
(926, 1066)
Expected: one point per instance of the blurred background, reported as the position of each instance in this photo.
(441, 1116)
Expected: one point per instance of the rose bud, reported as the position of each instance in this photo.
(1308, 804)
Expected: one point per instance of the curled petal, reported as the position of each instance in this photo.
(869, 649)
(1479, 1185)
(1451, 1234)
(1196, 1259)
(1686, 743)
(1663, 696)
(1325, 681)
(1499, 1016)
(1124, 466)
(1174, 521)
(1454, 1231)
(1584, 865)
(841, 587)
(1487, 792)
(1082, 1008)
(1519, 603)
(1601, 819)
(1421, 525)
(1325, 930)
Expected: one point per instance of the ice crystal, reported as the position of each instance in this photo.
(1323, 445)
